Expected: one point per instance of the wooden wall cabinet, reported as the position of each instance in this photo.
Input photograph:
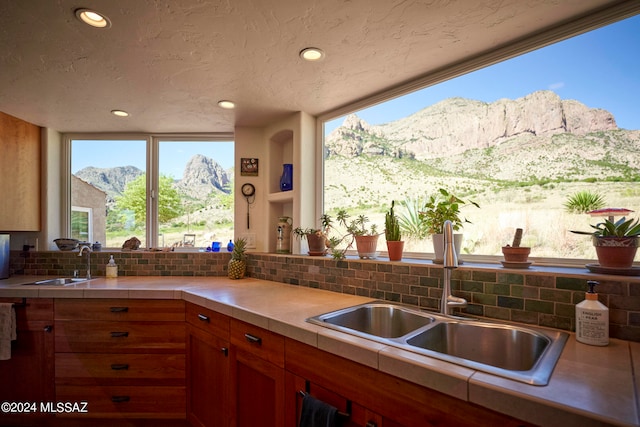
(125, 357)
(20, 167)
(208, 367)
(28, 376)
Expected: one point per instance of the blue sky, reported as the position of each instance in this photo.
(601, 69)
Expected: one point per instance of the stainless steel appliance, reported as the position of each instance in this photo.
(4, 256)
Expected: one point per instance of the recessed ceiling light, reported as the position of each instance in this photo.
(312, 54)
(93, 18)
(227, 105)
(120, 113)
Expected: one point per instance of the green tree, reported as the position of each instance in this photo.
(134, 198)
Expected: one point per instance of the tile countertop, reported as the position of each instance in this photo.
(590, 386)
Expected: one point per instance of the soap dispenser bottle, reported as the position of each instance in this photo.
(112, 268)
(592, 319)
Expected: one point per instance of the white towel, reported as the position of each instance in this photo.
(7, 329)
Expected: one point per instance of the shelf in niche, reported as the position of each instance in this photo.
(281, 196)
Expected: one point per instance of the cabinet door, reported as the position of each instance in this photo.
(28, 376)
(207, 379)
(19, 174)
(259, 391)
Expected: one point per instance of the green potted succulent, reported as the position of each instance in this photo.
(395, 245)
(436, 210)
(616, 242)
(365, 236)
(317, 238)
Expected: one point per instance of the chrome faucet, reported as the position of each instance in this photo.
(450, 262)
(88, 250)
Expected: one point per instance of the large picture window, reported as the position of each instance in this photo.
(166, 192)
(537, 141)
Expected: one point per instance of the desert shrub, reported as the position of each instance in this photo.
(583, 202)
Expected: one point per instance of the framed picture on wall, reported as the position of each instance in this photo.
(248, 167)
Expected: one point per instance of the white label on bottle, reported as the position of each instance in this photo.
(592, 327)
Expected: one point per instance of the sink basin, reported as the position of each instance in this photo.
(59, 281)
(525, 354)
(504, 347)
(380, 320)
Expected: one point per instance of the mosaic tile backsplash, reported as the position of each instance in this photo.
(536, 296)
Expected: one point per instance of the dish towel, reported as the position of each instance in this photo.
(316, 413)
(7, 329)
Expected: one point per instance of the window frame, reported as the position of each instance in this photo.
(152, 170)
(562, 32)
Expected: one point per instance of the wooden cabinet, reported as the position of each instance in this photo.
(208, 368)
(373, 398)
(257, 372)
(125, 358)
(28, 376)
(19, 174)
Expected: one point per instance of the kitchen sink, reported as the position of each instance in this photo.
(526, 354)
(380, 320)
(59, 281)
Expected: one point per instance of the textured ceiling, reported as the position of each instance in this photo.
(168, 62)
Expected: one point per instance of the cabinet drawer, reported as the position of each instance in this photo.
(257, 341)
(119, 337)
(208, 320)
(120, 369)
(119, 309)
(125, 401)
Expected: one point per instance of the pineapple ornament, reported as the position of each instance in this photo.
(238, 262)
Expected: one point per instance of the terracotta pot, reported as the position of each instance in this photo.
(394, 249)
(519, 254)
(317, 244)
(366, 246)
(616, 252)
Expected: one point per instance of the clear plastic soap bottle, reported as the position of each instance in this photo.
(592, 319)
(112, 268)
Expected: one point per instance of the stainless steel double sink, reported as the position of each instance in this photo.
(525, 354)
(58, 281)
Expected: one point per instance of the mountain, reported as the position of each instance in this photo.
(202, 176)
(459, 125)
(110, 180)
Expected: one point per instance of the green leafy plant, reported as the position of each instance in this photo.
(583, 202)
(620, 228)
(441, 207)
(410, 223)
(391, 225)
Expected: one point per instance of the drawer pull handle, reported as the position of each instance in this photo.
(225, 351)
(119, 366)
(203, 318)
(119, 334)
(119, 309)
(371, 424)
(119, 399)
(48, 328)
(253, 339)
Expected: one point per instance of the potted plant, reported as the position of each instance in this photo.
(366, 237)
(317, 238)
(238, 262)
(616, 242)
(514, 253)
(439, 208)
(395, 245)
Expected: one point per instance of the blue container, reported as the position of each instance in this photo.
(286, 180)
(215, 246)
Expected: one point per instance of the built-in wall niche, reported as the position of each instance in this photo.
(280, 152)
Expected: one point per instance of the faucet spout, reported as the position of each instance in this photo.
(450, 262)
(86, 248)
